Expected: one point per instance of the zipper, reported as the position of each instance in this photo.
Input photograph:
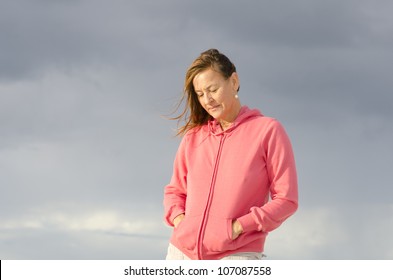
(209, 200)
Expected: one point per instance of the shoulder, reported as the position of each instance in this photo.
(196, 131)
(264, 122)
(196, 135)
(267, 130)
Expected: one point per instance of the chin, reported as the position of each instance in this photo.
(216, 113)
(216, 116)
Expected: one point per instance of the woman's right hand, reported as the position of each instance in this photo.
(177, 220)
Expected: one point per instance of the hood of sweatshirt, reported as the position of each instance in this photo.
(245, 114)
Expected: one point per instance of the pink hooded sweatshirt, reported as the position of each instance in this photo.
(220, 176)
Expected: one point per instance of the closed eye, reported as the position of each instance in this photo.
(211, 91)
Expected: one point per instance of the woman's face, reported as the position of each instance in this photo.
(217, 94)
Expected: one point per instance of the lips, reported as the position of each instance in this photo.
(213, 108)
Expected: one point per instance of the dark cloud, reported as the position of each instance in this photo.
(38, 35)
(84, 85)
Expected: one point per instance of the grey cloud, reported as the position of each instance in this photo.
(38, 35)
(52, 244)
(83, 85)
(300, 24)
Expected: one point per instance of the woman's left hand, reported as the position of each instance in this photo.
(237, 229)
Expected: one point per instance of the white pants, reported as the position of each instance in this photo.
(176, 254)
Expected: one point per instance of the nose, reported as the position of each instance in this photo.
(207, 98)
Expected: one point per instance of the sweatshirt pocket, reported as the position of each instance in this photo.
(187, 232)
(218, 235)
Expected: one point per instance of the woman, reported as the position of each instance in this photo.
(230, 160)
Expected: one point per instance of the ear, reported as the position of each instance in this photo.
(235, 81)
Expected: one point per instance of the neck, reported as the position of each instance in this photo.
(225, 124)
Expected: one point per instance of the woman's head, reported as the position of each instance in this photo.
(212, 59)
(209, 67)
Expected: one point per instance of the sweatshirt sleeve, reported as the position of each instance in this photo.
(175, 192)
(281, 169)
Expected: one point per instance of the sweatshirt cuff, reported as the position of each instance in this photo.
(248, 223)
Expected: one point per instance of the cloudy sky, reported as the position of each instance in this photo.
(86, 150)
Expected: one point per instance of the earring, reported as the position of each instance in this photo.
(236, 96)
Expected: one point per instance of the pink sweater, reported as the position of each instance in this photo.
(220, 176)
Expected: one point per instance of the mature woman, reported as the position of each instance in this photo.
(230, 160)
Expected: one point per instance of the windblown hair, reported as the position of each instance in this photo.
(193, 114)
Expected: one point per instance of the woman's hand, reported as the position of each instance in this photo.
(237, 229)
(177, 220)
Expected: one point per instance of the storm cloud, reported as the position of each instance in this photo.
(86, 148)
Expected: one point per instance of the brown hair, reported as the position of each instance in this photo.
(193, 114)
